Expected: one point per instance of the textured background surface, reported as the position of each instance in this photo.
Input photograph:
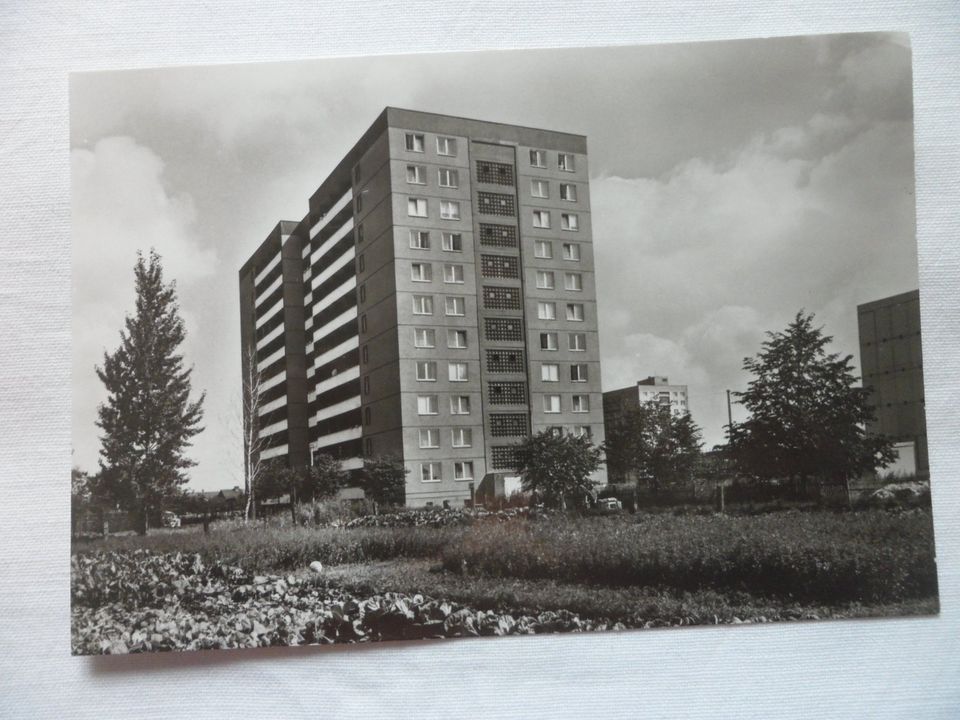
(877, 669)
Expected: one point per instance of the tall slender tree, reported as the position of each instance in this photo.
(254, 465)
(148, 419)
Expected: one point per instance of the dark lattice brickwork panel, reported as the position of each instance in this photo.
(508, 425)
(496, 204)
(494, 173)
(504, 457)
(507, 393)
(503, 330)
(498, 266)
(501, 298)
(500, 361)
(498, 235)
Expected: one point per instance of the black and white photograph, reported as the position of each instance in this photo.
(449, 345)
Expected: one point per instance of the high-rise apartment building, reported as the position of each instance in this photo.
(654, 390)
(437, 303)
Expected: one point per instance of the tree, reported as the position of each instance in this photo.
(652, 444)
(807, 414)
(148, 419)
(253, 443)
(384, 479)
(323, 479)
(557, 466)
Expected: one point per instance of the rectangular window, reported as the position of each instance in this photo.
(363, 323)
(461, 437)
(421, 272)
(430, 472)
(427, 405)
(358, 201)
(540, 188)
(578, 373)
(363, 294)
(360, 234)
(548, 341)
(551, 403)
(457, 372)
(417, 207)
(455, 306)
(565, 162)
(419, 239)
(575, 312)
(367, 418)
(424, 337)
(538, 158)
(571, 251)
(541, 219)
(577, 341)
(570, 221)
(550, 372)
(426, 371)
(546, 311)
(451, 242)
(429, 438)
(457, 339)
(449, 209)
(365, 354)
(568, 191)
(361, 265)
(423, 304)
(447, 146)
(463, 470)
(453, 274)
(368, 447)
(581, 403)
(366, 384)
(582, 431)
(448, 178)
(417, 174)
(556, 430)
(459, 404)
(573, 281)
(545, 280)
(543, 249)
(413, 142)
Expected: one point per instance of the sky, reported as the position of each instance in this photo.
(732, 185)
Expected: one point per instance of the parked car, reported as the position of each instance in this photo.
(170, 519)
(610, 504)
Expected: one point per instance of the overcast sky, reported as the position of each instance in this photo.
(732, 184)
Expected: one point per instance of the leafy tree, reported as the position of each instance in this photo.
(384, 479)
(323, 479)
(558, 467)
(652, 444)
(807, 415)
(148, 419)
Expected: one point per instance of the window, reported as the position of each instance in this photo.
(426, 371)
(453, 274)
(363, 323)
(448, 178)
(543, 249)
(367, 419)
(446, 146)
(360, 234)
(419, 239)
(368, 447)
(556, 430)
(363, 294)
(417, 174)
(461, 437)
(424, 337)
(455, 306)
(365, 354)
(577, 341)
(568, 191)
(565, 162)
(578, 373)
(457, 372)
(582, 431)
(361, 265)
(463, 470)
(427, 405)
(569, 221)
(366, 384)
(573, 281)
(417, 207)
(449, 209)
(545, 280)
(413, 142)
(541, 219)
(548, 341)
(575, 312)
(423, 304)
(457, 339)
(429, 438)
(540, 188)
(421, 272)
(550, 372)
(356, 174)
(581, 403)
(546, 311)
(571, 251)
(358, 202)
(459, 404)
(538, 158)
(451, 242)
(551, 403)
(430, 472)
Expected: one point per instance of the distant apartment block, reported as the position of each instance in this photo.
(654, 390)
(891, 362)
(437, 303)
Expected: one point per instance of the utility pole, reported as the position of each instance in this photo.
(729, 416)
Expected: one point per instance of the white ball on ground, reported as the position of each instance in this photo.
(316, 566)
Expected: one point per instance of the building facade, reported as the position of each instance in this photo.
(654, 390)
(891, 362)
(441, 304)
